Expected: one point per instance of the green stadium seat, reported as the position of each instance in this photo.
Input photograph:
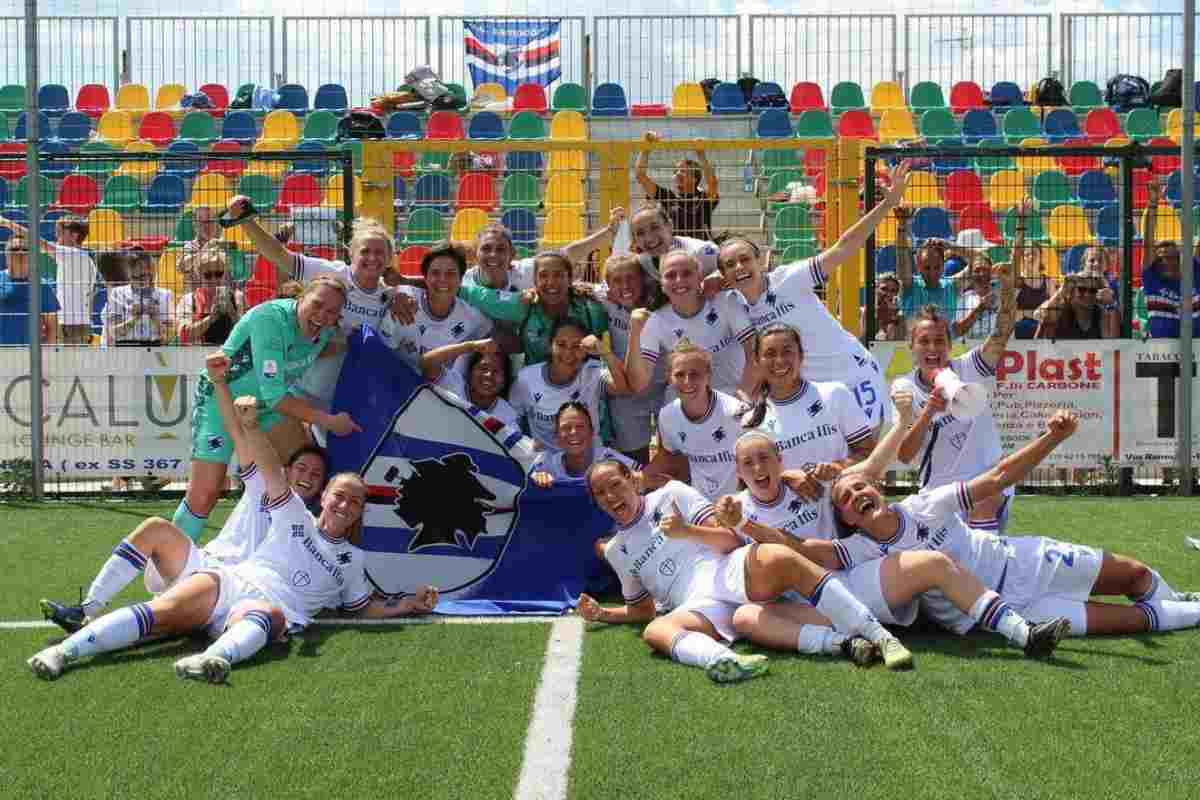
(1020, 123)
(5, 132)
(938, 124)
(98, 170)
(459, 93)
(797, 252)
(569, 96)
(527, 125)
(774, 161)
(1143, 124)
(46, 192)
(520, 191)
(259, 188)
(779, 183)
(813, 124)
(845, 96)
(988, 164)
(122, 193)
(1084, 96)
(926, 95)
(1052, 189)
(12, 98)
(321, 126)
(425, 226)
(1034, 232)
(793, 225)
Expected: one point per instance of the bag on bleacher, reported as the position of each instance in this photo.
(244, 99)
(709, 85)
(427, 84)
(747, 83)
(1169, 93)
(1048, 92)
(360, 125)
(1127, 92)
(264, 99)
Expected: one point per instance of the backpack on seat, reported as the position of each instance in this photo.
(1127, 92)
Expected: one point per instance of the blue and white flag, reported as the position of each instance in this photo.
(512, 52)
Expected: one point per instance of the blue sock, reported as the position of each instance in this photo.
(188, 521)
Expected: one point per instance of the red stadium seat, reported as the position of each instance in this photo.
(219, 96)
(93, 100)
(966, 95)
(1164, 165)
(648, 110)
(404, 163)
(857, 124)
(980, 216)
(157, 127)
(12, 170)
(1077, 165)
(476, 190)
(444, 125)
(299, 189)
(230, 168)
(529, 97)
(1101, 125)
(78, 194)
(806, 96)
(408, 260)
(962, 189)
(1142, 179)
(814, 162)
(263, 285)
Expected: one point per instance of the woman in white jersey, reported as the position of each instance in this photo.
(690, 315)
(944, 448)
(485, 380)
(166, 554)
(818, 426)
(577, 450)
(541, 389)
(669, 550)
(653, 238)
(1039, 577)
(247, 604)
(788, 294)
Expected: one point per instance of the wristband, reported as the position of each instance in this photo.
(1109, 307)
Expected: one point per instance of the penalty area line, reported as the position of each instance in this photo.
(356, 623)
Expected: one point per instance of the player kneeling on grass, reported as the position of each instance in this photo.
(304, 565)
(1040, 578)
(668, 548)
(167, 554)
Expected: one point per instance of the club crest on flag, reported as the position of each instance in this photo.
(512, 52)
(442, 498)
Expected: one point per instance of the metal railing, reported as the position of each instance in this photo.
(77, 50)
(194, 51)
(1139, 44)
(985, 48)
(823, 48)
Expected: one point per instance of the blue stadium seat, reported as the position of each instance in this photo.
(1175, 187)
(524, 161)
(49, 226)
(487, 126)
(4, 205)
(1006, 95)
(885, 260)
(315, 166)
(54, 99)
(774, 123)
(609, 101)
(331, 97)
(166, 194)
(728, 98)
(55, 169)
(1096, 189)
(292, 97)
(1061, 124)
(1073, 262)
(979, 124)
(523, 224)
(1108, 225)
(433, 189)
(44, 130)
(399, 192)
(944, 165)
(74, 128)
(239, 127)
(931, 222)
(404, 125)
(185, 169)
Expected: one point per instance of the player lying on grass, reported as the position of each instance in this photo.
(165, 553)
(770, 512)
(1039, 577)
(668, 548)
(304, 565)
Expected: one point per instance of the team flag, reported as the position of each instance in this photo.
(512, 52)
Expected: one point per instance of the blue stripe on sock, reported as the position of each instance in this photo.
(1153, 588)
(144, 617)
(815, 597)
(260, 618)
(130, 553)
(188, 509)
(994, 613)
(1151, 614)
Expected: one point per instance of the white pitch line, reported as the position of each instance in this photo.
(545, 767)
(355, 623)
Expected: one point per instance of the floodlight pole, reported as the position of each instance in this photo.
(1187, 143)
(33, 256)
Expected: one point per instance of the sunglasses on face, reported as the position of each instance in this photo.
(212, 276)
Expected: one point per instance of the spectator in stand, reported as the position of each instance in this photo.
(208, 313)
(14, 297)
(889, 322)
(977, 305)
(75, 278)
(1083, 308)
(1161, 278)
(138, 314)
(1034, 286)
(205, 229)
(690, 209)
(930, 286)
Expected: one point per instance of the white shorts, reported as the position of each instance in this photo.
(632, 418)
(718, 588)
(233, 589)
(865, 582)
(197, 560)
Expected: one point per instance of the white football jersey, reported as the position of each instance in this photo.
(816, 425)
(520, 277)
(455, 381)
(956, 449)
(429, 332)
(248, 523)
(791, 513)
(704, 252)
(536, 398)
(362, 307)
(709, 328)
(552, 462)
(931, 521)
(650, 563)
(708, 442)
(301, 569)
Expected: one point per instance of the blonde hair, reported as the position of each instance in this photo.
(621, 262)
(686, 347)
(325, 280)
(364, 229)
(290, 290)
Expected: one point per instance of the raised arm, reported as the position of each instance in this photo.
(711, 184)
(885, 454)
(433, 362)
(579, 251)
(216, 365)
(856, 235)
(258, 447)
(618, 385)
(1150, 222)
(267, 245)
(904, 249)
(1012, 469)
(1006, 316)
(639, 170)
(638, 370)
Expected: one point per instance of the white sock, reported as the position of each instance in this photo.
(1159, 590)
(244, 638)
(125, 564)
(1171, 615)
(111, 632)
(848, 614)
(696, 649)
(993, 614)
(818, 640)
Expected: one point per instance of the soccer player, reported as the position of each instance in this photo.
(669, 549)
(304, 565)
(269, 349)
(788, 295)
(165, 554)
(485, 381)
(1039, 577)
(654, 237)
(577, 449)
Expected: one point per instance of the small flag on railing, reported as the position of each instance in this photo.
(512, 52)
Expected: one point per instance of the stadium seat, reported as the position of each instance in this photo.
(773, 123)
(105, 229)
(276, 169)
(1100, 125)
(315, 166)
(260, 189)
(1085, 96)
(1073, 261)
(687, 100)
(97, 170)
(779, 183)
(944, 165)
(963, 188)
(980, 217)
(157, 127)
(445, 126)
(792, 225)
(847, 96)
(568, 126)
(320, 126)
(562, 226)
(239, 127)
(424, 226)
(229, 168)
(887, 95)
(1068, 227)
(92, 99)
(467, 223)
(399, 192)
(986, 164)
(1006, 96)
(78, 194)
(1033, 227)
(523, 225)
(1061, 124)
(797, 251)
(520, 191)
(609, 101)
(486, 126)
(1052, 189)
(1166, 226)
(433, 162)
(210, 189)
(528, 161)
(408, 260)
(931, 223)
(12, 98)
(331, 97)
(1020, 123)
(1164, 164)
(168, 96)
(144, 171)
(978, 125)
(526, 125)
(1030, 166)
(1175, 124)
(292, 97)
(856, 124)
(814, 162)
(57, 168)
(896, 125)
(166, 195)
(1108, 225)
(966, 96)
(298, 190)
(569, 97)
(649, 110)
(564, 190)
(529, 97)
(5, 133)
(1142, 178)
(134, 98)
(492, 91)
(885, 260)
(199, 128)
(433, 189)
(922, 190)
(774, 161)
(44, 129)
(1143, 124)
(46, 193)
(1076, 165)
(404, 164)
(938, 124)
(1174, 193)
(281, 126)
(218, 95)
(813, 124)
(926, 95)
(476, 190)
(74, 129)
(53, 99)
(335, 194)
(122, 193)
(1096, 189)
(458, 93)
(806, 96)
(727, 98)
(1006, 188)
(15, 168)
(404, 125)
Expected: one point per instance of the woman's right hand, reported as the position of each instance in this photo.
(238, 205)
(588, 608)
(543, 479)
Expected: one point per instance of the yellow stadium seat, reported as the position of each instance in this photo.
(333, 192)
(885, 234)
(688, 101)
(281, 126)
(169, 95)
(885, 95)
(1166, 224)
(1005, 190)
(238, 238)
(1030, 166)
(105, 229)
(569, 161)
(564, 190)
(896, 125)
(134, 98)
(1068, 227)
(491, 91)
(1175, 124)
(116, 128)
(922, 190)
(467, 223)
(563, 226)
(168, 276)
(275, 169)
(144, 171)
(1117, 141)
(211, 190)
(568, 126)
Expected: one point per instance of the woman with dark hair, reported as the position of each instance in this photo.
(1161, 275)
(485, 380)
(138, 314)
(576, 437)
(690, 209)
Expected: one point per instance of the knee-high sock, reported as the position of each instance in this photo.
(244, 638)
(189, 521)
(1170, 615)
(125, 564)
(696, 649)
(848, 614)
(993, 614)
(111, 632)
(818, 640)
